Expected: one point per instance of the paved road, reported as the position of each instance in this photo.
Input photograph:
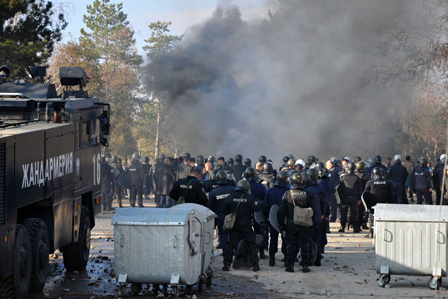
(348, 271)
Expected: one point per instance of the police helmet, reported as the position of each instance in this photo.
(221, 177)
(320, 164)
(322, 171)
(371, 161)
(360, 165)
(312, 158)
(313, 173)
(282, 178)
(397, 159)
(107, 155)
(291, 172)
(239, 158)
(305, 178)
(290, 156)
(249, 173)
(211, 159)
(356, 159)
(443, 160)
(378, 159)
(200, 159)
(334, 160)
(308, 162)
(296, 180)
(135, 159)
(291, 163)
(262, 159)
(285, 159)
(267, 167)
(217, 168)
(230, 161)
(187, 156)
(351, 167)
(247, 162)
(346, 158)
(115, 159)
(376, 173)
(424, 162)
(243, 185)
(162, 157)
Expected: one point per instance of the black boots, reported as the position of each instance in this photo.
(356, 228)
(262, 255)
(289, 266)
(305, 269)
(342, 229)
(271, 259)
(226, 266)
(256, 267)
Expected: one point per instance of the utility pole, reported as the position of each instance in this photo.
(157, 129)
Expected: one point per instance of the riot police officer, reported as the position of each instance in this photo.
(189, 190)
(359, 171)
(422, 182)
(238, 168)
(184, 170)
(248, 162)
(229, 166)
(296, 196)
(378, 190)
(243, 205)
(350, 191)
(117, 187)
(274, 197)
(398, 174)
(106, 182)
(211, 183)
(216, 204)
(136, 180)
(262, 159)
(333, 179)
(200, 167)
(267, 175)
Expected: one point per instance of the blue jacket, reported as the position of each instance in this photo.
(422, 178)
(397, 173)
(320, 202)
(273, 197)
(258, 191)
(217, 197)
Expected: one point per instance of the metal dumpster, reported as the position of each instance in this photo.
(411, 240)
(164, 246)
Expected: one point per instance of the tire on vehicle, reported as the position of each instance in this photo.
(17, 285)
(40, 245)
(76, 255)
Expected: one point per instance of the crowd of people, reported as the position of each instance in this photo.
(338, 191)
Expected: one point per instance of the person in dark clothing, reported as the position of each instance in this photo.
(189, 190)
(422, 182)
(296, 196)
(323, 180)
(444, 188)
(410, 168)
(136, 179)
(320, 205)
(334, 180)
(216, 204)
(350, 191)
(184, 170)
(238, 168)
(359, 171)
(211, 183)
(267, 175)
(378, 190)
(379, 164)
(274, 196)
(147, 171)
(159, 162)
(164, 178)
(107, 177)
(398, 174)
(118, 189)
(258, 191)
(243, 205)
(370, 167)
(437, 178)
(229, 166)
(200, 167)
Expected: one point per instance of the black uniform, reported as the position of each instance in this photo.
(216, 204)
(238, 171)
(437, 181)
(106, 185)
(195, 192)
(362, 220)
(148, 179)
(422, 183)
(295, 233)
(136, 178)
(183, 171)
(378, 191)
(268, 179)
(398, 174)
(242, 230)
(350, 191)
(118, 188)
(333, 179)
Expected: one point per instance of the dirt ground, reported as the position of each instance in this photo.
(347, 271)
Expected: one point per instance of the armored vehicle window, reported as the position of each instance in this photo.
(77, 135)
(85, 133)
(94, 131)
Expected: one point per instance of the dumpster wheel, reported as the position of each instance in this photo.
(384, 279)
(434, 283)
(208, 281)
(122, 290)
(176, 291)
(136, 288)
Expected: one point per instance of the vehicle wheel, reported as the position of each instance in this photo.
(176, 291)
(208, 281)
(384, 279)
(76, 255)
(155, 288)
(433, 283)
(136, 288)
(188, 289)
(18, 284)
(40, 245)
(122, 290)
(200, 285)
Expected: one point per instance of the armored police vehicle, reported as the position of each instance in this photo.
(50, 184)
